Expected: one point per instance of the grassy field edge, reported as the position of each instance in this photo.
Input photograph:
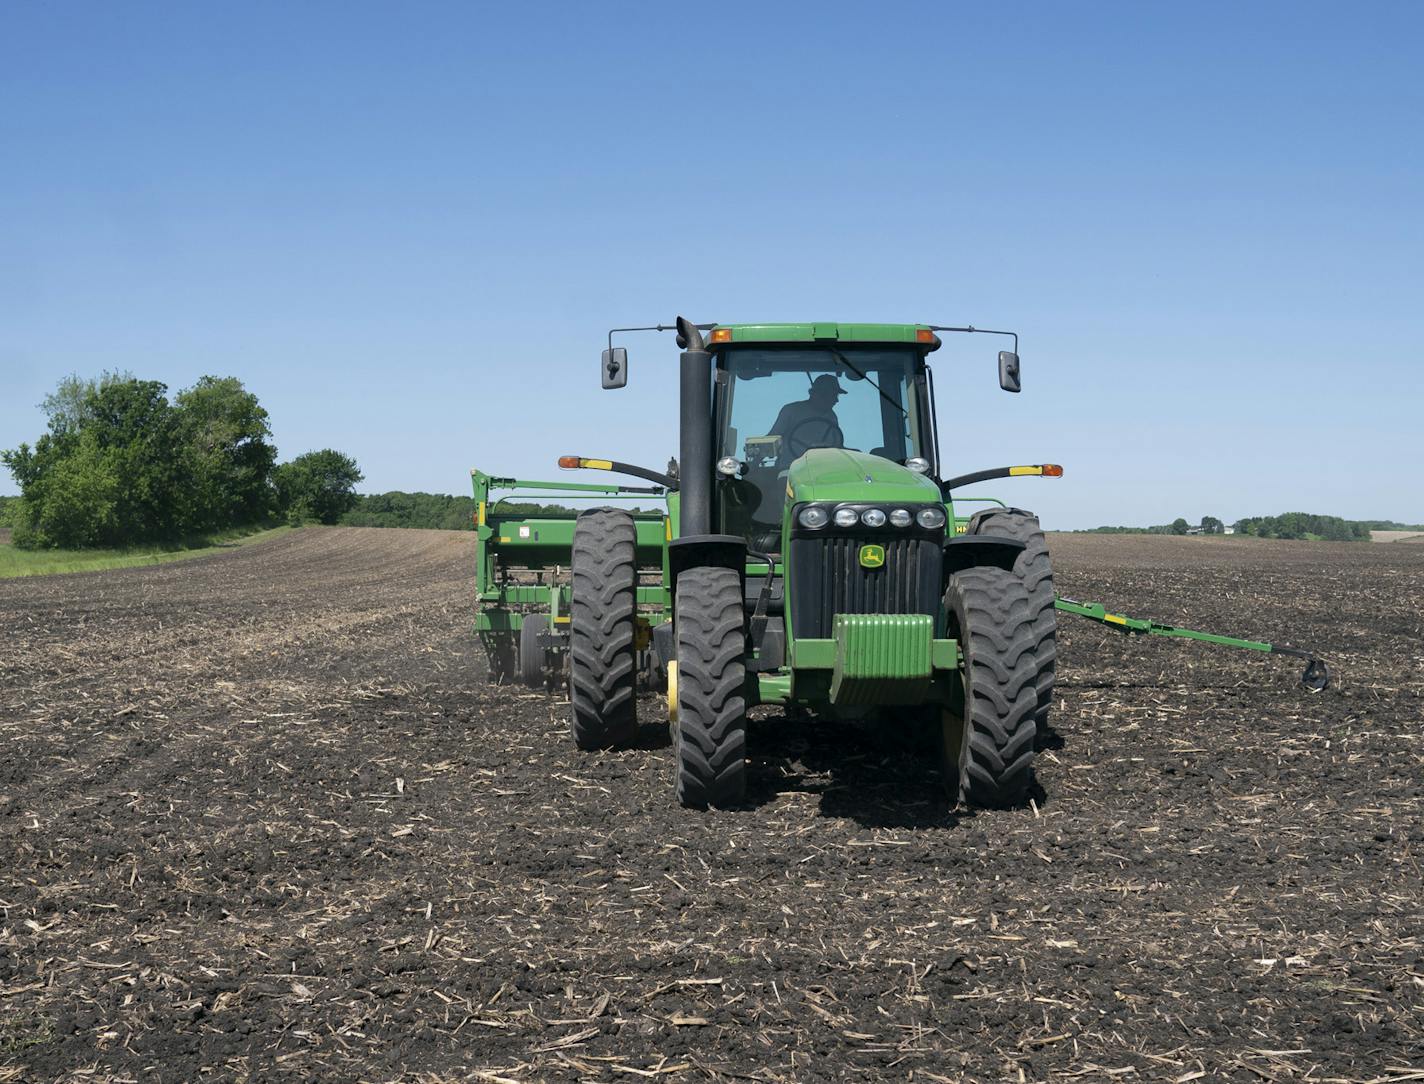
(17, 562)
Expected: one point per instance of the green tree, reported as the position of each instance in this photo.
(70, 481)
(318, 485)
(229, 457)
(83, 497)
(121, 465)
(1211, 525)
(1179, 526)
(134, 427)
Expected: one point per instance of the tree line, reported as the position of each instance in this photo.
(1305, 525)
(120, 464)
(1208, 525)
(438, 511)
(1298, 525)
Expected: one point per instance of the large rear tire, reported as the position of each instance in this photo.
(602, 613)
(987, 746)
(1034, 567)
(710, 732)
(531, 653)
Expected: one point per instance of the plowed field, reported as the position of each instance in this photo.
(262, 818)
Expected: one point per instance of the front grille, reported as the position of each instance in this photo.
(828, 579)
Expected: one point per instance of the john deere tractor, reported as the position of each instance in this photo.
(810, 555)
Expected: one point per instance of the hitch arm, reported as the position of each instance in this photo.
(1315, 677)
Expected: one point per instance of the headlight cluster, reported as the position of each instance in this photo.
(815, 516)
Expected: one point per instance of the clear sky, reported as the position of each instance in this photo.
(407, 227)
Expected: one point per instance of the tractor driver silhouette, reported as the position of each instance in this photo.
(810, 422)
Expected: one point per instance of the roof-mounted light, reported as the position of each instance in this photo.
(722, 335)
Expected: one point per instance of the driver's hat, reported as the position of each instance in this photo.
(826, 380)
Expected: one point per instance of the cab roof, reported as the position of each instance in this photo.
(824, 332)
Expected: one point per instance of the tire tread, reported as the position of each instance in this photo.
(709, 736)
(602, 625)
(998, 638)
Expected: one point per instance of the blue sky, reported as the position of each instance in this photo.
(407, 227)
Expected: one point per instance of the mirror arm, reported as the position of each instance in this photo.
(971, 330)
(652, 327)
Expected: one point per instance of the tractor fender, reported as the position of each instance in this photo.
(977, 551)
(701, 550)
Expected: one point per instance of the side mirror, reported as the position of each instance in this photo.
(1008, 371)
(615, 367)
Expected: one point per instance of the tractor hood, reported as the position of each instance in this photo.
(835, 474)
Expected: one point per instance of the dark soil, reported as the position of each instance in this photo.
(261, 818)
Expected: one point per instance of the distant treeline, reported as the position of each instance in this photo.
(397, 509)
(1388, 525)
(1209, 525)
(439, 511)
(1300, 525)
(122, 465)
(1305, 525)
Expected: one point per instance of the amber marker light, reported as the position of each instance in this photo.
(1052, 470)
(924, 335)
(722, 335)
(568, 462)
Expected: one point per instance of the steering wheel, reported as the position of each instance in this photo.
(797, 445)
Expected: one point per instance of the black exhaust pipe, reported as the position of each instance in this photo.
(695, 432)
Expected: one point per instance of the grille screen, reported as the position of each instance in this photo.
(828, 579)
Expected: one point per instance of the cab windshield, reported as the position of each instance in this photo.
(775, 404)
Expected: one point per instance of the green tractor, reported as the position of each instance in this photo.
(812, 554)
(813, 557)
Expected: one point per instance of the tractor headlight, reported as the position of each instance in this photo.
(930, 518)
(729, 465)
(846, 517)
(900, 517)
(917, 464)
(813, 516)
(873, 517)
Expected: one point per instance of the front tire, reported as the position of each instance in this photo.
(987, 746)
(603, 659)
(1034, 567)
(710, 732)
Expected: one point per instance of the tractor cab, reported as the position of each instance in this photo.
(782, 391)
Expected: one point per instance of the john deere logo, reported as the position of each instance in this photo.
(872, 556)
